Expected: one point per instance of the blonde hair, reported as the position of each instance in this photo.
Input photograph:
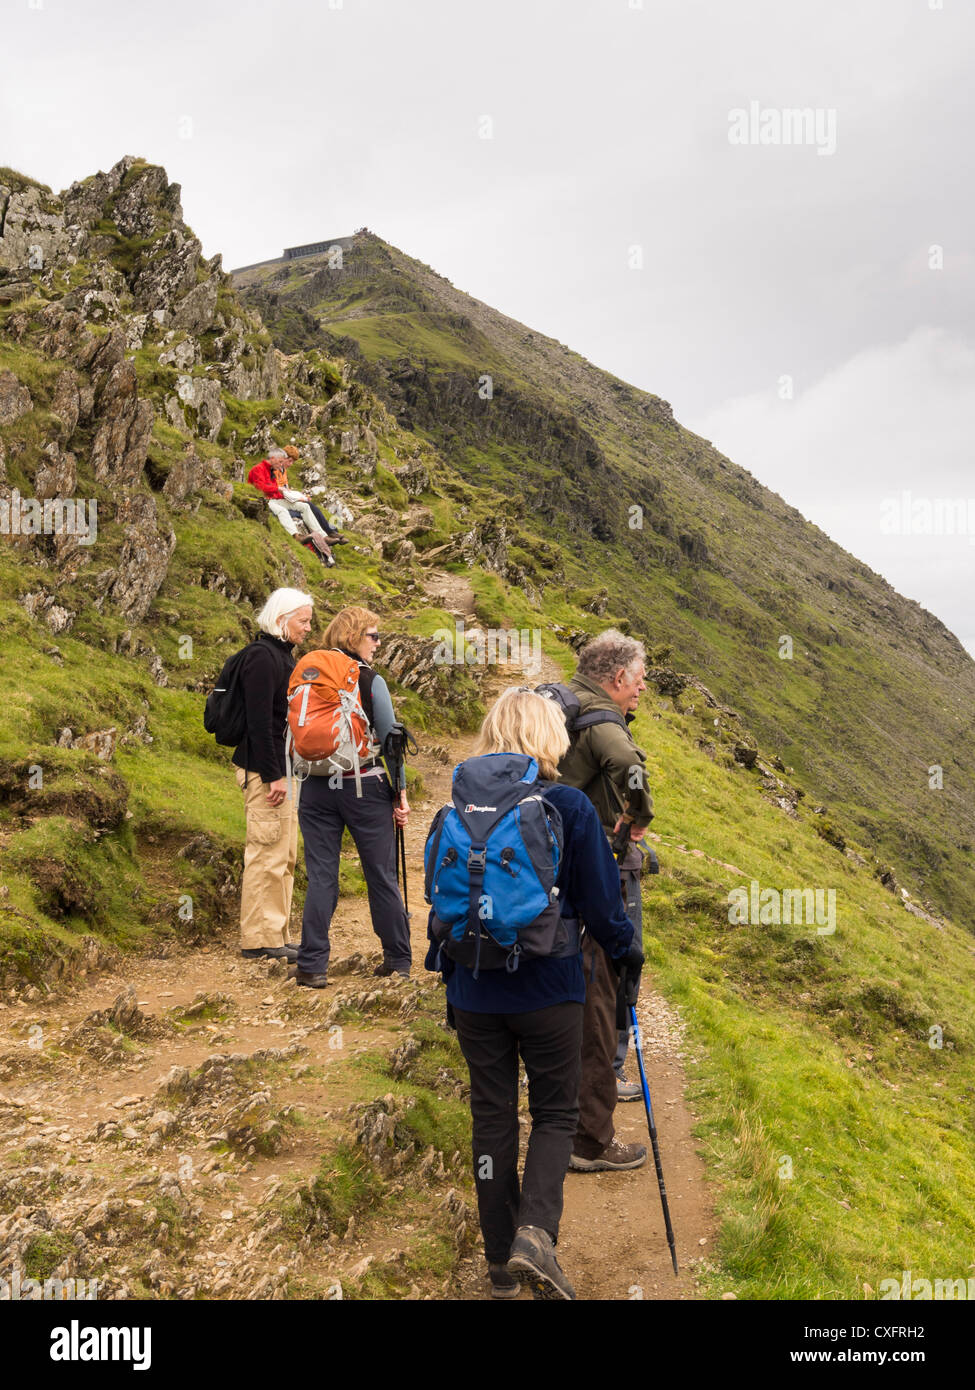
(348, 628)
(520, 721)
(281, 605)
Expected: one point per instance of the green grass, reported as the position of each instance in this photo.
(812, 1050)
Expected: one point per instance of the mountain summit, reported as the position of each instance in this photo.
(864, 693)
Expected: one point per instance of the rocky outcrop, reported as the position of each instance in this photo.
(36, 231)
(66, 403)
(121, 443)
(203, 395)
(170, 275)
(188, 475)
(57, 476)
(15, 399)
(195, 311)
(144, 559)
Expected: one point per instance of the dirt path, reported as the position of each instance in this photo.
(612, 1239)
(84, 1111)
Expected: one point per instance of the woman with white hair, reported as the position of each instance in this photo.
(271, 807)
(270, 477)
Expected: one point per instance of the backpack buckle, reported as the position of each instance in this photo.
(477, 859)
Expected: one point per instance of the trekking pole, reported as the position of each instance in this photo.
(398, 742)
(401, 850)
(653, 1135)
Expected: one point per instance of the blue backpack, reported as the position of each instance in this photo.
(492, 859)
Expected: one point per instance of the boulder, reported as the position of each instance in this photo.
(15, 399)
(204, 396)
(56, 477)
(136, 327)
(171, 273)
(66, 404)
(144, 559)
(121, 442)
(36, 231)
(195, 310)
(102, 743)
(413, 477)
(184, 354)
(188, 474)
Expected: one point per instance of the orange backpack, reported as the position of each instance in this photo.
(326, 721)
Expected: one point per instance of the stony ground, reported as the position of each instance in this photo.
(190, 1124)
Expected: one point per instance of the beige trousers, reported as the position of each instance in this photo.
(270, 852)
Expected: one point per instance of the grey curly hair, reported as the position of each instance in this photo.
(606, 654)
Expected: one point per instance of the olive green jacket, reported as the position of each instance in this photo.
(605, 762)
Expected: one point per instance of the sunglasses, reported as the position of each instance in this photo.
(373, 636)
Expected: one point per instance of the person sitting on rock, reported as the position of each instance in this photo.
(270, 477)
(335, 537)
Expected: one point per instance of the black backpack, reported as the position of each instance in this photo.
(224, 715)
(568, 702)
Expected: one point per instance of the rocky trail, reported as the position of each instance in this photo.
(162, 1123)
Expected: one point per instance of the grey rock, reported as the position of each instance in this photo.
(66, 404)
(121, 441)
(15, 399)
(144, 559)
(58, 475)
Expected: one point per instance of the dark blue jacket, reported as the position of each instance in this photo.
(589, 884)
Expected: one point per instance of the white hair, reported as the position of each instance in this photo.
(281, 604)
(277, 454)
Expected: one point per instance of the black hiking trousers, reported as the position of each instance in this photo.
(550, 1043)
(323, 814)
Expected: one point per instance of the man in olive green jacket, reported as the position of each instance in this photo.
(606, 764)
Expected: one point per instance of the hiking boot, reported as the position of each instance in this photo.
(313, 981)
(503, 1284)
(383, 970)
(533, 1261)
(302, 534)
(288, 953)
(628, 1090)
(616, 1157)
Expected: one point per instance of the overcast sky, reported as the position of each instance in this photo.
(805, 303)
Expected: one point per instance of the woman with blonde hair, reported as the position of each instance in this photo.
(363, 801)
(511, 826)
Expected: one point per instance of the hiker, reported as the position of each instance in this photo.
(270, 805)
(606, 764)
(363, 801)
(536, 1009)
(270, 477)
(335, 537)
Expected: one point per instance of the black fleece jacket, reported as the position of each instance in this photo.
(265, 671)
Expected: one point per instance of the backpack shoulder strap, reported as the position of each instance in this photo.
(598, 716)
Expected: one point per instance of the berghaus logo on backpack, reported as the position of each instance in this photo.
(495, 898)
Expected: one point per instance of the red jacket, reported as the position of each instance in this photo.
(265, 477)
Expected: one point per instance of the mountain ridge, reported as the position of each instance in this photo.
(584, 449)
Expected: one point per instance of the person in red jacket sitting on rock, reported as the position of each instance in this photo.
(270, 477)
(334, 537)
